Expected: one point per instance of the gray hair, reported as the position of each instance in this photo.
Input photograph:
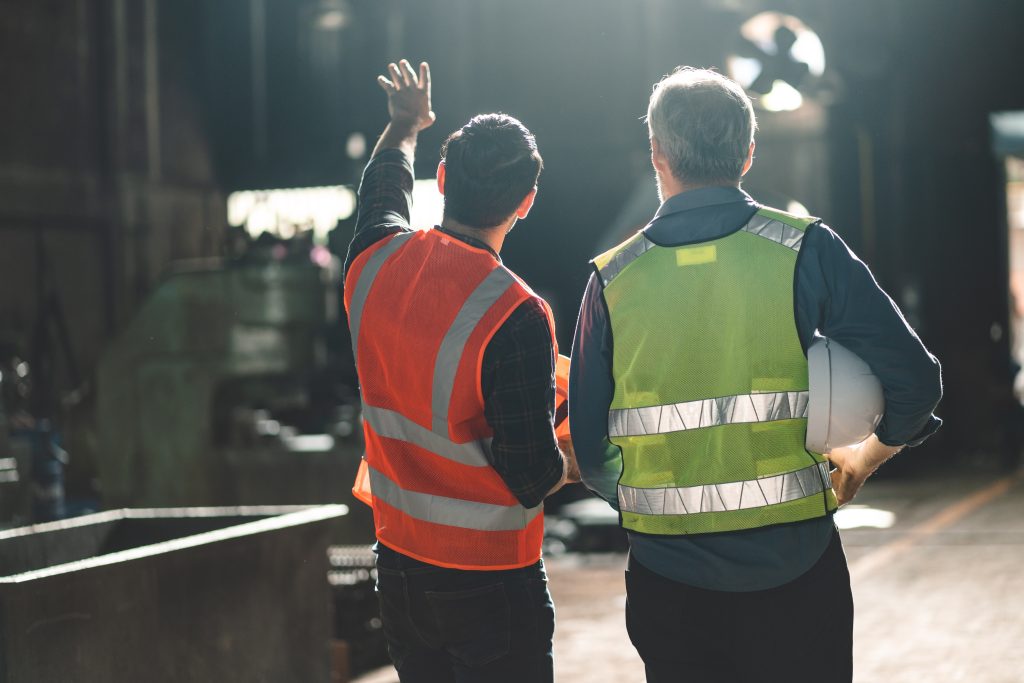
(704, 124)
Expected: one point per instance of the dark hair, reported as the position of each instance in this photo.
(704, 124)
(491, 164)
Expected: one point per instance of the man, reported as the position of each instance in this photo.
(689, 366)
(456, 361)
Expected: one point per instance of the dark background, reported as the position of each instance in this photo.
(124, 124)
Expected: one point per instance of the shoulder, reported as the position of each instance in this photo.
(527, 330)
(533, 309)
(532, 304)
(791, 219)
(365, 240)
(610, 263)
(605, 258)
(827, 244)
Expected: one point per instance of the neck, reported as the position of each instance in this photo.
(669, 187)
(492, 237)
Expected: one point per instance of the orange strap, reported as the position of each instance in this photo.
(361, 487)
(562, 397)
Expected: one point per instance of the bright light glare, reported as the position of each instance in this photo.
(287, 212)
(427, 204)
(796, 208)
(783, 97)
(760, 30)
(809, 50)
(309, 443)
(332, 20)
(859, 516)
(355, 146)
(744, 70)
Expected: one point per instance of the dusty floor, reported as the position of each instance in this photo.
(939, 593)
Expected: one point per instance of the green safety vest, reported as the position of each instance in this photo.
(710, 404)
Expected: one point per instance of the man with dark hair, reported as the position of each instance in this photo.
(488, 166)
(456, 362)
(688, 397)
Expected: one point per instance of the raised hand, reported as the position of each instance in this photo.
(408, 95)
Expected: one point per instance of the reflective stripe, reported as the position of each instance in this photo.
(453, 345)
(736, 495)
(392, 425)
(365, 281)
(708, 412)
(624, 257)
(465, 514)
(774, 230)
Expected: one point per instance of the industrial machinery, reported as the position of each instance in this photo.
(224, 390)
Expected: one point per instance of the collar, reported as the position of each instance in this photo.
(701, 197)
(471, 241)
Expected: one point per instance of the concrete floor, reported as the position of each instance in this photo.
(939, 594)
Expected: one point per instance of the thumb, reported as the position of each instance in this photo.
(837, 457)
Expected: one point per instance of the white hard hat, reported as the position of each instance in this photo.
(845, 402)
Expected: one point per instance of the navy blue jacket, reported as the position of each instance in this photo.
(836, 295)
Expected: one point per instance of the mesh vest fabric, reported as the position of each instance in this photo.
(427, 386)
(697, 328)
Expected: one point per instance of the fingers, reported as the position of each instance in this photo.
(839, 487)
(425, 77)
(846, 486)
(396, 76)
(402, 75)
(386, 85)
(408, 74)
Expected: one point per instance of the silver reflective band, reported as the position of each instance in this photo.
(624, 257)
(453, 345)
(464, 514)
(365, 281)
(776, 231)
(736, 495)
(392, 425)
(708, 412)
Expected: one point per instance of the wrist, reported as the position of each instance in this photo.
(874, 453)
(407, 128)
(397, 135)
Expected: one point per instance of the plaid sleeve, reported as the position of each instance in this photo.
(385, 201)
(518, 382)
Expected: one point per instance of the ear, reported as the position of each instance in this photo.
(750, 160)
(526, 204)
(440, 178)
(658, 159)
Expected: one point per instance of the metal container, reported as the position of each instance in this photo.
(177, 594)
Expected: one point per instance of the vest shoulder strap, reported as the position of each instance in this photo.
(791, 219)
(612, 262)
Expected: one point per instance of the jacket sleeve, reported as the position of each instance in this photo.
(838, 296)
(591, 388)
(518, 384)
(385, 201)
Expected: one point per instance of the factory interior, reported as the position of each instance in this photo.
(180, 416)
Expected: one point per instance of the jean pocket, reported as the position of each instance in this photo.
(474, 624)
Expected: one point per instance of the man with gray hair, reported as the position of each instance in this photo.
(688, 407)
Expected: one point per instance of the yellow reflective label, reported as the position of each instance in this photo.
(692, 256)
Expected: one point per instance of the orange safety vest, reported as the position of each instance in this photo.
(422, 308)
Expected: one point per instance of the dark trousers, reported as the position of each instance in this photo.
(449, 625)
(801, 631)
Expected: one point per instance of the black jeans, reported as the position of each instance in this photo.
(449, 625)
(800, 631)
